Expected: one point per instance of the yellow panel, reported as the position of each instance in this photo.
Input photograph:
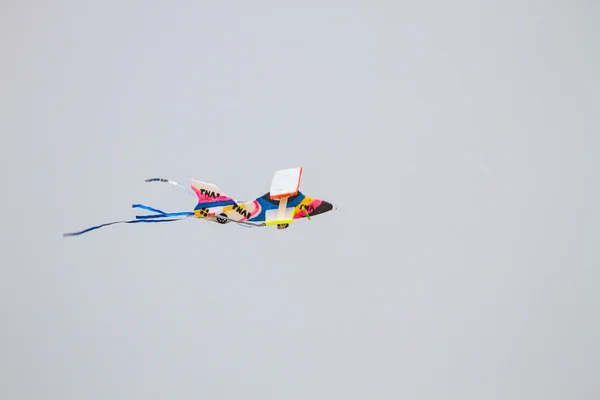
(283, 221)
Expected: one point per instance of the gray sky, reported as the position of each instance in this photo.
(458, 140)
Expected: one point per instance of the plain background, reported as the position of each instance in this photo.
(459, 141)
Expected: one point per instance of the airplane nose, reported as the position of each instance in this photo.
(323, 208)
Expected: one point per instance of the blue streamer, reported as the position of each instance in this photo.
(118, 222)
(161, 214)
(148, 208)
(166, 215)
(188, 191)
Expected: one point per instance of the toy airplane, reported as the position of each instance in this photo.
(283, 204)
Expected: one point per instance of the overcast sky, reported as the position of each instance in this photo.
(459, 141)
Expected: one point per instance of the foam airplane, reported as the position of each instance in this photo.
(283, 204)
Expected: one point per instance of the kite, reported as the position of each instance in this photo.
(283, 204)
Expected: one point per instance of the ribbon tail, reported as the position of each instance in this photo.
(188, 191)
(119, 222)
(148, 208)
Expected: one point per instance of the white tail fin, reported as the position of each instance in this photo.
(209, 193)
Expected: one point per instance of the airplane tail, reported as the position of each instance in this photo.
(210, 195)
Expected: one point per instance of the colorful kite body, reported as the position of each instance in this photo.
(283, 204)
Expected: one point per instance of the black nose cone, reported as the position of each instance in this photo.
(322, 208)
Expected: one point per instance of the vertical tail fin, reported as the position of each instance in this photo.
(210, 195)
